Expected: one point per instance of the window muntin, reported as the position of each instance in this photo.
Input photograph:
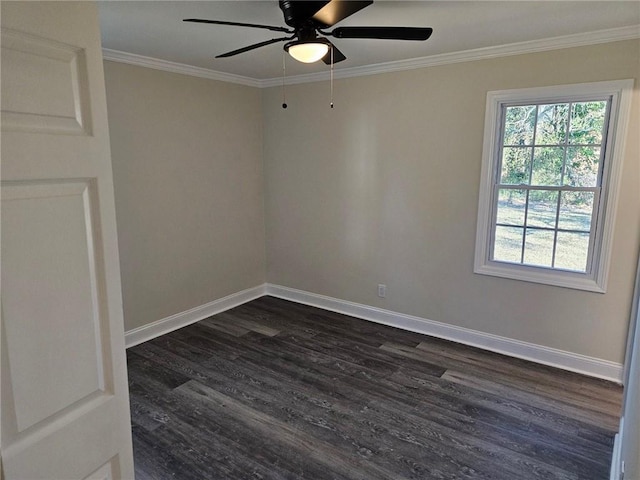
(548, 183)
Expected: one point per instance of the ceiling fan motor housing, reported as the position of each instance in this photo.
(287, 9)
(297, 13)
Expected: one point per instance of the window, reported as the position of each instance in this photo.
(551, 167)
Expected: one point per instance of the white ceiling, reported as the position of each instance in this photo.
(155, 29)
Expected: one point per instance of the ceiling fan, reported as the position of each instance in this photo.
(308, 21)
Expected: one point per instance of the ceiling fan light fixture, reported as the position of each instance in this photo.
(307, 51)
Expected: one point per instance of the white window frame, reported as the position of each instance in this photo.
(595, 278)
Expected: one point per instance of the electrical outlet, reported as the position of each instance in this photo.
(382, 290)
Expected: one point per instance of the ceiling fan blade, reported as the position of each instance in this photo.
(337, 10)
(384, 33)
(252, 47)
(239, 24)
(338, 56)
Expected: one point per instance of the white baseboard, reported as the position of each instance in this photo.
(574, 362)
(616, 458)
(179, 320)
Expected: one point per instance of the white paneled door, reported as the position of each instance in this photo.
(65, 410)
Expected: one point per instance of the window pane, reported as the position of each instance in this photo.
(538, 247)
(572, 251)
(547, 166)
(582, 166)
(587, 122)
(575, 211)
(511, 205)
(508, 244)
(543, 205)
(551, 128)
(516, 163)
(518, 125)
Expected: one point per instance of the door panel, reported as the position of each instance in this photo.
(65, 412)
(48, 234)
(56, 102)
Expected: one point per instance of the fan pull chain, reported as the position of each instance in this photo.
(331, 76)
(284, 74)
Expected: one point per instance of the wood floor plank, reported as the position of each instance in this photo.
(154, 460)
(308, 445)
(575, 411)
(492, 405)
(278, 390)
(544, 380)
(501, 381)
(234, 319)
(213, 445)
(438, 456)
(226, 327)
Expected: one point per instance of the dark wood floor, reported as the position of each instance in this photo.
(277, 390)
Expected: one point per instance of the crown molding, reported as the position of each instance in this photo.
(533, 46)
(174, 67)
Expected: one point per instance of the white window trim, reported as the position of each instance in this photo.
(620, 92)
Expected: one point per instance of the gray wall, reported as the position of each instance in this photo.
(384, 189)
(187, 164)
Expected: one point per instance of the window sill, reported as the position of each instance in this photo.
(576, 281)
